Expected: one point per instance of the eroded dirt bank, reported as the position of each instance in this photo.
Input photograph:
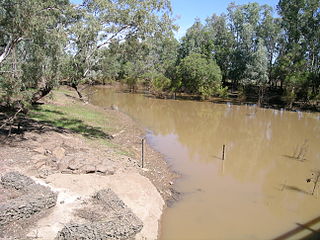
(76, 167)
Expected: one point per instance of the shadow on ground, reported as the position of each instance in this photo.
(62, 124)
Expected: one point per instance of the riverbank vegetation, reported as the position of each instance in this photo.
(252, 52)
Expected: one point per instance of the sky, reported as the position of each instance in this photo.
(189, 10)
(186, 11)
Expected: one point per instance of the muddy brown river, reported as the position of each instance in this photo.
(259, 190)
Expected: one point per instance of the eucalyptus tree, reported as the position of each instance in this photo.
(161, 59)
(270, 31)
(256, 72)
(311, 33)
(217, 29)
(32, 40)
(196, 40)
(109, 67)
(244, 24)
(249, 23)
(298, 64)
(99, 22)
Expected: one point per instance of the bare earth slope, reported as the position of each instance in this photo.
(77, 167)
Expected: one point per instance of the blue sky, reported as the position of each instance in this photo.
(188, 10)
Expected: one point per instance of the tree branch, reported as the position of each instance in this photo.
(10, 45)
(114, 35)
(11, 119)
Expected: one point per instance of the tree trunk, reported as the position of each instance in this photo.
(261, 96)
(292, 98)
(41, 93)
(10, 45)
(75, 87)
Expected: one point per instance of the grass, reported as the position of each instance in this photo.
(92, 123)
(75, 116)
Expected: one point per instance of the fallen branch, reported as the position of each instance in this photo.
(10, 121)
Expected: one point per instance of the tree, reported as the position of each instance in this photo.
(110, 67)
(223, 42)
(99, 22)
(244, 24)
(269, 30)
(256, 72)
(32, 40)
(200, 75)
(159, 83)
(196, 40)
(298, 65)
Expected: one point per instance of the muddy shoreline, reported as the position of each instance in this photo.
(42, 151)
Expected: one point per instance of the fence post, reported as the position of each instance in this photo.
(223, 150)
(142, 152)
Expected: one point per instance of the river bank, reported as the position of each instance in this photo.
(273, 98)
(268, 156)
(80, 148)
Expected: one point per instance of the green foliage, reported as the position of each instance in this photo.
(222, 92)
(296, 84)
(31, 45)
(160, 83)
(195, 41)
(200, 75)
(223, 42)
(254, 48)
(299, 60)
(44, 43)
(99, 23)
(131, 75)
(110, 68)
(256, 72)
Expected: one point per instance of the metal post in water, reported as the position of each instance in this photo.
(142, 152)
(315, 183)
(223, 149)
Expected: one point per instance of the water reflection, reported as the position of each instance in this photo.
(256, 185)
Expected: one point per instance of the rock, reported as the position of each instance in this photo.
(108, 170)
(175, 197)
(16, 180)
(58, 152)
(114, 107)
(40, 150)
(39, 164)
(117, 221)
(74, 165)
(62, 165)
(47, 152)
(44, 173)
(34, 199)
(38, 157)
(89, 168)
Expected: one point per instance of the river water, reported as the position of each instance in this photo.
(259, 190)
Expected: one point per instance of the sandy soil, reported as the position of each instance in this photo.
(76, 168)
